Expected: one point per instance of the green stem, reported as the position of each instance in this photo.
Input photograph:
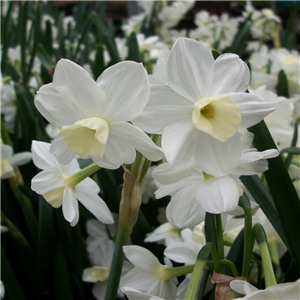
(137, 163)
(228, 241)
(117, 263)
(4, 134)
(273, 245)
(261, 238)
(248, 242)
(220, 241)
(169, 273)
(195, 279)
(74, 179)
(231, 265)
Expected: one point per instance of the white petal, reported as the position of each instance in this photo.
(93, 203)
(218, 195)
(225, 78)
(218, 158)
(141, 258)
(189, 69)
(47, 180)
(253, 108)
(180, 253)
(254, 162)
(84, 94)
(165, 107)
(70, 207)
(134, 294)
(41, 155)
(60, 150)
(141, 280)
(127, 90)
(170, 189)
(6, 152)
(241, 286)
(132, 138)
(20, 159)
(179, 142)
(183, 211)
(166, 174)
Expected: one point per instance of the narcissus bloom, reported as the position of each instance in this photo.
(60, 188)
(202, 107)
(148, 275)
(9, 160)
(195, 192)
(93, 116)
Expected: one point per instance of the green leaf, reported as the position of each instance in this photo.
(282, 86)
(236, 254)
(215, 53)
(289, 35)
(291, 150)
(98, 66)
(45, 58)
(133, 48)
(241, 36)
(285, 197)
(265, 201)
(46, 247)
(12, 287)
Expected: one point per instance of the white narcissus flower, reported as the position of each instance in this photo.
(195, 192)
(148, 275)
(58, 187)
(9, 160)
(186, 251)
(201, 109)
(93, 116)
(287, 291)
(165, 232)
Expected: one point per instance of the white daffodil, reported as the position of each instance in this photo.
(167, 233)
(186, 251)
(288, 291)
(93, 116)
(60, 187)
(195, 192)
(9, 160)
(148, 275)
(99, 234)
(100, 270)
(201, 109)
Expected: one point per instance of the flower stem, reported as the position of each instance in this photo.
(117, 262)
(76, 178)
(260, 236)
(168, 273)
(248, 242)
(231, 265)
(195, 279)
(220, 241)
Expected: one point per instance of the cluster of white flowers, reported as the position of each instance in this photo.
(213, 31)
(197, 105)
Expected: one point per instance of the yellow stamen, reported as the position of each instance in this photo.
(210, 115)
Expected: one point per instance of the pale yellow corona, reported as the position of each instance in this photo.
(217, 116)
(87, 137)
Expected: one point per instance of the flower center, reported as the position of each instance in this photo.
(87, 137)
(100, 273)
(217, 116)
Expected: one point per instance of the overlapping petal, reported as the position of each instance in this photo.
(172, 109)
(225, 79)
(127, 90)
(179, 142)
(216, 158)
(253, 108)
(70, 207)
(189, 68)
(218, 195)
